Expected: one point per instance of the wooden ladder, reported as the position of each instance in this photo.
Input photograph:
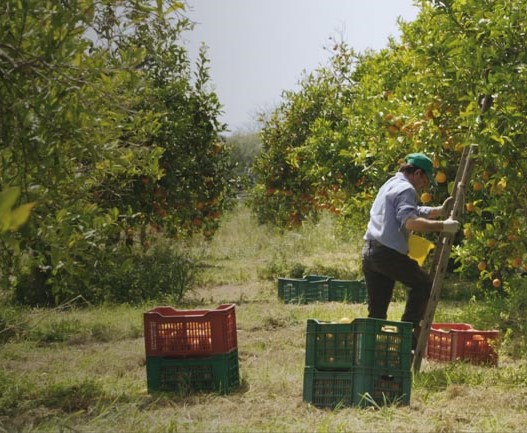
(443, 249)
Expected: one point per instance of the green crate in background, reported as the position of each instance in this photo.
(356, 387)
(216, 373)
(302, 290)
(313, 278)
(329, 346)
(383, 344)
(353, 291)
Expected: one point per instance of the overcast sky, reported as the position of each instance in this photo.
(258, 48)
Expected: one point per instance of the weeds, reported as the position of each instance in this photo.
(83, 369)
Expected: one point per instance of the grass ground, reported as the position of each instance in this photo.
(82, 369)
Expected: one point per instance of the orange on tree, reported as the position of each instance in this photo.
(482, 266)
(516, 262)
(496, 282)
(477, 186)
(470, 207)
(491, 243)
(393, 130)
(426, 197)
(440, 177)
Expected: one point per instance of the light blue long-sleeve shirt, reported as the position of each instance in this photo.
(394, 204)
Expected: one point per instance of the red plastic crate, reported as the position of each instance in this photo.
(453, 341)
(185, 333)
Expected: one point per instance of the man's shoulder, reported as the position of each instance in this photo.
(398, 183)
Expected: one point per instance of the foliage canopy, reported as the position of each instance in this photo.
(457, 76)
(109, 130)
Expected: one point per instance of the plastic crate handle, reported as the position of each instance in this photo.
(390, 329)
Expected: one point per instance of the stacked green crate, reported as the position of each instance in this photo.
(215, 373)
(191, 350)
(383, 358)
(366, 362)
(321, 288)
(311, 288)
(353, 291)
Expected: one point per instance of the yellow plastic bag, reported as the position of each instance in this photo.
(419, 248)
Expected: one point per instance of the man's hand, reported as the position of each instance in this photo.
(450, 225)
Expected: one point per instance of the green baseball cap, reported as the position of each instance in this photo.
(423, 162)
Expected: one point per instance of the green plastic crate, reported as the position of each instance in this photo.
(356, 387)
(348, 291)
(313, 278)
(303, 291)
(383, 344)
(216, 373)
(329, 346)
(328, 389)
(372, 386)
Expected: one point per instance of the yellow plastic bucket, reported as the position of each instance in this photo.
(419, 248)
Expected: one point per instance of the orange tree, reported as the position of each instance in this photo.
(468, 65)
(456, 77)
(104, 127)
(300, 170)
(195, 182)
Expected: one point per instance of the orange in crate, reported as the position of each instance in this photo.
(453, 341)
(185, 333)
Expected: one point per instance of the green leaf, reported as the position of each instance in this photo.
(175, 6)
(8, 199)
(20, 215)
(12, 219)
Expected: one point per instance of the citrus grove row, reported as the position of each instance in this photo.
(458, 76)
(110, 135)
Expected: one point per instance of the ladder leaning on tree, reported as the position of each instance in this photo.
(443, 249)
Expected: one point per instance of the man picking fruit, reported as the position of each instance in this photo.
(393, 216)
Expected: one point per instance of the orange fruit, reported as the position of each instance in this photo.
(436, 163)
(517, 262)
(477, 186)
(426, 197)
(470, 207)
(496, 282)
(440, 177)
(393, 130)
(482, 266)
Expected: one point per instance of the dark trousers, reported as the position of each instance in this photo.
(382, 267)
